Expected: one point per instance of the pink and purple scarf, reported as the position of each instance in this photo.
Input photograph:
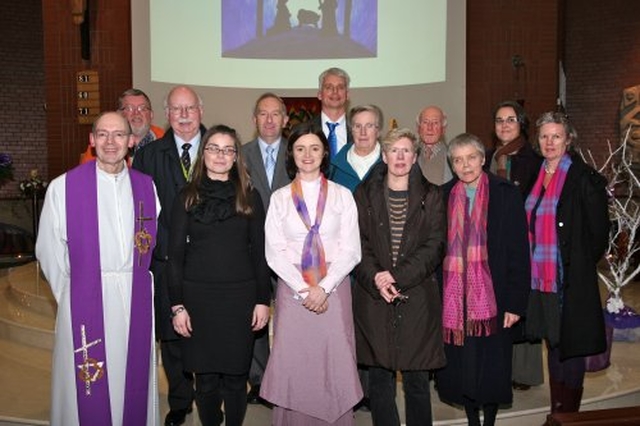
(468, 288)
(313, 263)
(544, 240)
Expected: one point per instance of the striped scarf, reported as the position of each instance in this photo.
(468, 288)
(545, 256)
(313, 264)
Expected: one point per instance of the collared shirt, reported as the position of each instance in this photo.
(263, 152)
(341, 130)
(149, 137)
(435, 148)
(193, 151)
(263, 148)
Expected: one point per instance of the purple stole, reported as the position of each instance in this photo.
(87, 319)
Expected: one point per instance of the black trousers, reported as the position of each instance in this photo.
(382, 397)
(260, 357)
(181, 393)
(212, 389)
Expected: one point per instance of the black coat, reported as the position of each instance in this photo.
(582, 223)
(481, 369)
(409, 336)
(161, 161)
(525, 165)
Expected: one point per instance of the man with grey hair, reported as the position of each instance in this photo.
(169, 162)
(431, 125)
(333, 93)
(135, 105)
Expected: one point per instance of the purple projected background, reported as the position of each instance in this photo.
(312, 29)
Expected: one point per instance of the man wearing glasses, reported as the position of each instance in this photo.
(94, 246)
(169, 162)
(135, 106)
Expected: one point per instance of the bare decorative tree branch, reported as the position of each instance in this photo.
(624, 211)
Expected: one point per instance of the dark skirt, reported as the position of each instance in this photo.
(543, 317)
(222, 339)
(478, 372)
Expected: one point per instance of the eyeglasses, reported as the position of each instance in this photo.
(118, 136)
(215, 150)
(130, 109)
(177, 110)
(369, 126)
(508, 120)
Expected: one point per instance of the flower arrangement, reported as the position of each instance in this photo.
(6, 168)
(33, 185)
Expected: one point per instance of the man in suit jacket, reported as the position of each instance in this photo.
(169, 161)
(333, 93)
(265, 158)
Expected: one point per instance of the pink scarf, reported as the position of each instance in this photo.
(468, 288)
(545, 255)
(313, 263)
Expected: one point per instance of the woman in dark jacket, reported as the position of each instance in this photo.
(514, 159)
(396, 301)
(485, 276)
(568, 231)
(513, 156)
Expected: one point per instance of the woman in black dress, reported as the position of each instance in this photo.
(219, 279)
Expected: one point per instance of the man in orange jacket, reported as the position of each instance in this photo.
(135, 106)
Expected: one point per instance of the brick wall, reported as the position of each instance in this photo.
(22, 98)
(602, 51)
(110, 56)
(498, 30)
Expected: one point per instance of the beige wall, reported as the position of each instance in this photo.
(233, 106)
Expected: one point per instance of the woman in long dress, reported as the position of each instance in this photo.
(485, 276)
(219, 280)
(312, 243)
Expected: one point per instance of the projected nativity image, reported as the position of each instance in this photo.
(299, 29)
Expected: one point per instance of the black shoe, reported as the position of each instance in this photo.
(520, 386)
(176, 417)
(253, 397)
(363, 405)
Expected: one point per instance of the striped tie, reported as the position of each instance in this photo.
(185, 158)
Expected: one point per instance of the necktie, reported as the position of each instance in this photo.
(185, 158)
(332, 138)
(270, 163)
(428, 152)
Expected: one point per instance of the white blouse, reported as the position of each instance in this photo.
(285, 234)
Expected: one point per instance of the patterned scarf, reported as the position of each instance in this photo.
(468, 288)
(543, 241)
(501, 162)
(313, 264)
